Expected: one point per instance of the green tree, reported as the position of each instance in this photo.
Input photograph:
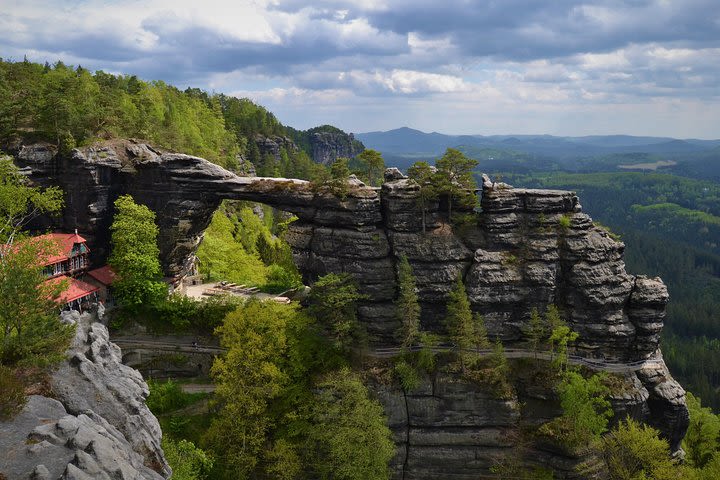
(407, 307)
(585, 406)
(333, 302)
(134, 255)
(31, 334)
(423, 174)
(634, 451)
(249, 377)
(459, 321)
(561, 336)
(703, 434)
(535, 331)
(499, 360)
(186, 460)
(454, 178)
(372, 166)
(20, 202)
(348, 436)
(339, 173)
(223, 257)
(480, 334)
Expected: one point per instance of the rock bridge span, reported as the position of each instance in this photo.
(526, 248)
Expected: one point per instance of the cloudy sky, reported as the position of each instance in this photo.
(643, 67)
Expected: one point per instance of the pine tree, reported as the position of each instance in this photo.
(536, 330)
(407, 307)
(339, 171)
(480, 333)
(498, 359)
(454, 178)
(459, 320)
(422, 173)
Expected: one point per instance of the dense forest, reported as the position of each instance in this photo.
(671, 228)
(70, 106)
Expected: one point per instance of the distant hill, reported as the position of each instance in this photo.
(531, 153)
(410, 142)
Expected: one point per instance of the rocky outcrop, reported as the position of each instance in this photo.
(96, 426)
(273, 145)
(328, 146)
(522, 249)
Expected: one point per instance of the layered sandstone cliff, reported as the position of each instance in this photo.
(522, 249)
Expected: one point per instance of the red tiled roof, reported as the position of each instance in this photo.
(104, 275)
(76, 289)
(65, 243)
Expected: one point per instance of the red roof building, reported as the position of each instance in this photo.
(104, 275)
(69, 258)
(77, 294)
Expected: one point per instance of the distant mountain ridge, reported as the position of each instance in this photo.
(411, 142)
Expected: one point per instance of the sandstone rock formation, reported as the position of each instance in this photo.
(97, 426)
(523, 249)
(328, 146)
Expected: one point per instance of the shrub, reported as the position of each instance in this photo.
(408, 375)
(564, 222)
(186, 460)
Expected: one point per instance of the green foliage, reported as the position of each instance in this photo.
(480, 334)
(239, 247)
(187, 461)
(560, 336)
(178, 313)
(339, 173)
(347, 437)
(248, 378)
(564, 222)
(584, 406)
(333, 302)
(30, 331)
(454, 179)
(283, 461)
(71, 107)
(30, 328)
(459, 322)
(135, 256)
(222, 257)
(407, 307)
(282, 411)
(369, 166)
(407, 374)
(536, 330)
(168, 396)
(633, 451)
(31, 334)
(20, 202)
(423, 174)
(702, 440)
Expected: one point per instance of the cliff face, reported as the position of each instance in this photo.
(526, 249)
(323, 144)
(96, 425)
(327, 147)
